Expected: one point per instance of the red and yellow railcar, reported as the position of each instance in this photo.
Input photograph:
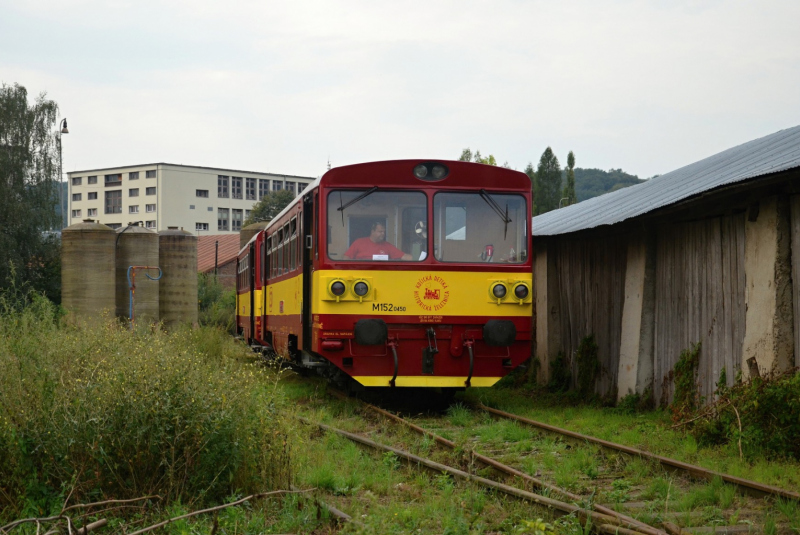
(405, 273)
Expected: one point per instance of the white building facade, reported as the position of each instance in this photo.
(202, 200)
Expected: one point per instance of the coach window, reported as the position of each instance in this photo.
(293, 244)
(280, 252)
(287, 247)
(377, 225)
(480, 227)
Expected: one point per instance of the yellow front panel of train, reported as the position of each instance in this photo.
(421, 293)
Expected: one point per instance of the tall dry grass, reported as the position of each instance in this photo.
(95, 410)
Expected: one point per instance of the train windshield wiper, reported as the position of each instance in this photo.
(499, 211)
(341, 208)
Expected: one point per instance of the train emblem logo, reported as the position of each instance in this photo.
(431, 293)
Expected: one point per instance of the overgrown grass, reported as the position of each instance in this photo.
(89, 411)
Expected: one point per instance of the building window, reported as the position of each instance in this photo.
(202, 193)
(114, 202)
(210, 208)
(76, 181)
(149, 208)
(133, 175)
(91, 212)
(76, 213)
(191, 207)
(133, 209)
(150, 191)
(236, 221)
(150, 174)
(222, 186)
(91, 180)
(247, 214)
(222, 218)
(236, 187)
(290, 187)
(76, 197)
(263, 187)
(114, 226)
(133, 192)
(250, 190)
(114, 180)
(201, 226)
(277, 185)
(150, 224)
(92, 196)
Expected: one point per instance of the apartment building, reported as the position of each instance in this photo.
(202, 200)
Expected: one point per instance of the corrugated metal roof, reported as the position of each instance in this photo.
(770, 154)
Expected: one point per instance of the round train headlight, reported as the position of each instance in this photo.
(420, 171)
(499, 291)
(521, 291)
(439, 171)
(361, 288)
(337, 288)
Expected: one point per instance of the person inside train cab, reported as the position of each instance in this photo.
(375, 247)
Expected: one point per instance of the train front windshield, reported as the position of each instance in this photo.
(377, 225)
(372, 225)
(480, 227)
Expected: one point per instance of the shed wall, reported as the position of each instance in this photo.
(700, 297)
(795, 233)
(591, 282)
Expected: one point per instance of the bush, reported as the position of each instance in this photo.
(100, 411)
(769, 410)
(216, 306)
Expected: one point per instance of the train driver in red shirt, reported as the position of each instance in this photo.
(375, 247)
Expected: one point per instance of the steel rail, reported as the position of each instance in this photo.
(601, 522)
(755, 487)
(504, 468)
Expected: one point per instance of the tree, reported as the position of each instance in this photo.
(468, 156)
(269, 206)
(532, 175)
(569, 189)
(547, 186)
(28, 192)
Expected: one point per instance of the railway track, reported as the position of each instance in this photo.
(636, 512)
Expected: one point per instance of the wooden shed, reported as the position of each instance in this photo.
(705, 254)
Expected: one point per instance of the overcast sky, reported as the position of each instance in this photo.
(282, 87)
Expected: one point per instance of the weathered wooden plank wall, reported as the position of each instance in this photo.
(700, 297)
(591, 282)
(795, 225)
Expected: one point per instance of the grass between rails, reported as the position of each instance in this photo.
(602, 476)
(650, 430)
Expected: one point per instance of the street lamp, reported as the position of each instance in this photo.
(62, 130)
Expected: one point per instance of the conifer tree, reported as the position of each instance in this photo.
(569, 189)
(547, 185)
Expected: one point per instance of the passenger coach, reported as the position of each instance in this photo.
(402, 273)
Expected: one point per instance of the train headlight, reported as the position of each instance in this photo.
(521, 291)
(420, 171)
(439, 171)
(499, 290)
(337, 288)
(361, 288)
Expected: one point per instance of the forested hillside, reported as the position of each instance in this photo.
(593, 182)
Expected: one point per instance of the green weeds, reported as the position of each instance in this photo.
(97, 410)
